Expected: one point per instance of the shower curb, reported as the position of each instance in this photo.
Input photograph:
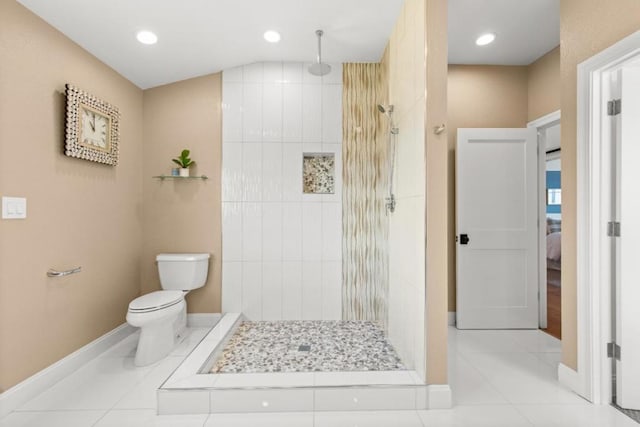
(192, 389)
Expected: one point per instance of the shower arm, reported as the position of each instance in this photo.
(319, 33)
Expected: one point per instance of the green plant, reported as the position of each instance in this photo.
(184, 161)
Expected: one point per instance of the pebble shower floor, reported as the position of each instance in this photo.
(307, 346)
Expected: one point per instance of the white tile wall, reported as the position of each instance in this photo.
(292, 231)
(272, 290)
(252, 172)
(231, 226)
(312, 290)
(272, 172)
(407, 223)
(272, 234)
(251, 290)
(272, 112)
(232, 286)
(232, 191)
(312, 231)
(232, 112)
(282, 249)
(251, 112)
(332, 231)
(332, 290)
(251, 232)
(332, 113)
(272, 72)
(291, 172)
(311, 113)
(292, 112)
(292, 290)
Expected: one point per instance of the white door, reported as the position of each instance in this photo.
(497, 217)
(628, 254)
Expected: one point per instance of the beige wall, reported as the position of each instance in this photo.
(487, 96)
(183, 216)
(586, 28)
(436, 192)
(481, 96)
(79, 212)
(544, 85)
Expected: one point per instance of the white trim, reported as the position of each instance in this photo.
(569, 378)
(541, 124)
(39, 382)
(203, 320)
(592, 304)
(439, 396)
(545, 120)
(451, 319)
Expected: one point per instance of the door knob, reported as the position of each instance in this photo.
(464, 239)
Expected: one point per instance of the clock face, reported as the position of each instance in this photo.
(94, 129)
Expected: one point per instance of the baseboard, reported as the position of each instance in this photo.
(452, 318)
(439, 396)
(570, 379)
(39, 382)
(202, 320)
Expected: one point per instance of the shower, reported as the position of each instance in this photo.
(387, 110)
(319, 68)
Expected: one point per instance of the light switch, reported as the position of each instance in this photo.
(14, 208)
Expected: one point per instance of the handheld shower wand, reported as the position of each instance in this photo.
(387, 110)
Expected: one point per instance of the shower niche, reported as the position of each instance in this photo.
(318, 173)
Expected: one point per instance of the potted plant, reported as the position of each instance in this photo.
(184, 162)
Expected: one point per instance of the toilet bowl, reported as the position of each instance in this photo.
(162, 315)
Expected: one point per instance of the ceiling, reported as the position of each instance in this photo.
(212, 35)
(525, 30)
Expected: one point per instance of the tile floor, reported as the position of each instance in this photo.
(499, 378)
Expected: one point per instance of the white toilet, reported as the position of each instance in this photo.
(162, 315)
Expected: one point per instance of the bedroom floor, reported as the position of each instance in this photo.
(554, 323)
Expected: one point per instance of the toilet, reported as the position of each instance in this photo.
(162, 315)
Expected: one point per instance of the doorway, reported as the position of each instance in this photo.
(550, 217)
(603, 293)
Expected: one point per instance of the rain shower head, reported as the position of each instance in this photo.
(318, 68)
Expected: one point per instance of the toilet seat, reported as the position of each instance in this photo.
(155, 301)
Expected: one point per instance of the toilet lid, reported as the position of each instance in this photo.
(156, 300)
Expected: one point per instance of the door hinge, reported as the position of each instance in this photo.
(613, 350)
(613, 229)
(614, 107)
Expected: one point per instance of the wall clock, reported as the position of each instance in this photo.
(92, 127)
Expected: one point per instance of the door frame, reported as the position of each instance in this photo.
(591, 380)
(542, 124)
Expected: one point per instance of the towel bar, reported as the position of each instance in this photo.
(55, 273)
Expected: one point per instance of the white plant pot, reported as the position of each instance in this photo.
(184, 172)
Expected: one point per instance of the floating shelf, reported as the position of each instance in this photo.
(163, 177)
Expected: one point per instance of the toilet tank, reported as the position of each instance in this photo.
(182, 271)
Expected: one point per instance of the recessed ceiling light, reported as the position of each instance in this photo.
(147, 37)
(272, 36)
(485, 39)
